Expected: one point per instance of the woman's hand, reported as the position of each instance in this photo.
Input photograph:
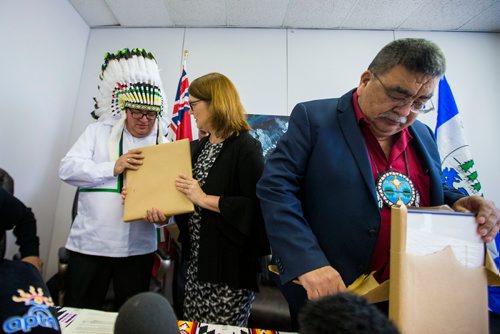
(190, 187)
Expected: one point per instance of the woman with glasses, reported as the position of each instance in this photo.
(225, 237)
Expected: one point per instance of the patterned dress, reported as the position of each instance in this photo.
(204, 301)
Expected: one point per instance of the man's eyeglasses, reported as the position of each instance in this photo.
(193, 103)
(416, 106)
(150, 115)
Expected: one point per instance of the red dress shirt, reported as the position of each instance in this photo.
(396, 161)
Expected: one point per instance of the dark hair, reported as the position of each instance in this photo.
(227, 113)
(6, 181)
(415, 54)
(343, 313)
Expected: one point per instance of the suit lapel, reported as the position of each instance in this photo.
(355, 141)
(421, 141)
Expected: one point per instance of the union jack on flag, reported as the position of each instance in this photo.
(180, 127)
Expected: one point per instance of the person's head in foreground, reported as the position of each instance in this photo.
(25, 302)
(343, 313)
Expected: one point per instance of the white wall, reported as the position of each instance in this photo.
(328, 63)
(254, 59)
(272, 68)
(473, 69)
(42, 51)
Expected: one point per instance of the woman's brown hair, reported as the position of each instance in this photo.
(227, 115)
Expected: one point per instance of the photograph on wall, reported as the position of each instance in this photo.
(268, 129)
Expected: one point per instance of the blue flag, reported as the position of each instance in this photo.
(458, 165)
(456, 159)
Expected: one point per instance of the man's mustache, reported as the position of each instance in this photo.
(393, 117)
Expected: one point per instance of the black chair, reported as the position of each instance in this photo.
(270, 309)
(161, 283)
(6, 182)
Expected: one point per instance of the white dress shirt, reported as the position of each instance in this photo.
(98, 228)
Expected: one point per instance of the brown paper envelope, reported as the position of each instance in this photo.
(437, 294)
(433, 293)
(365, 286)
(153, 185)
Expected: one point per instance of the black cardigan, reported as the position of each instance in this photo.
(232, 241)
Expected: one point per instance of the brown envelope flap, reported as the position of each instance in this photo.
(491, 270)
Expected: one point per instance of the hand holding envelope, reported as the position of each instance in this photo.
(130, 160)
(365, 286)
(190, 187)
(153, 184)
(322, 282)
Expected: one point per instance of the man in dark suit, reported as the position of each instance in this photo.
(327, 188)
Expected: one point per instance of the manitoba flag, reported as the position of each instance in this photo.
(180, 127)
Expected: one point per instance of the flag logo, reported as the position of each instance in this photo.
(461, 174)
(456, 159)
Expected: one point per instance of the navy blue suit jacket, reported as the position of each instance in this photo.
(318, 195)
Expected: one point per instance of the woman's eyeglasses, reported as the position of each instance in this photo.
(193, 103)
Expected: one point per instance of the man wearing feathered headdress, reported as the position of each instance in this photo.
(130, 113)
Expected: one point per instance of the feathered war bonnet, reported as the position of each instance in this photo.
(129, 79)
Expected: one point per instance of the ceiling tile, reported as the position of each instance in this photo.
(197, 13)
(95, 12)
(256, 13)
(445, 15)
(317, 13)
(383, 14)
(487, 20)
(144, 13)
(442, 15)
